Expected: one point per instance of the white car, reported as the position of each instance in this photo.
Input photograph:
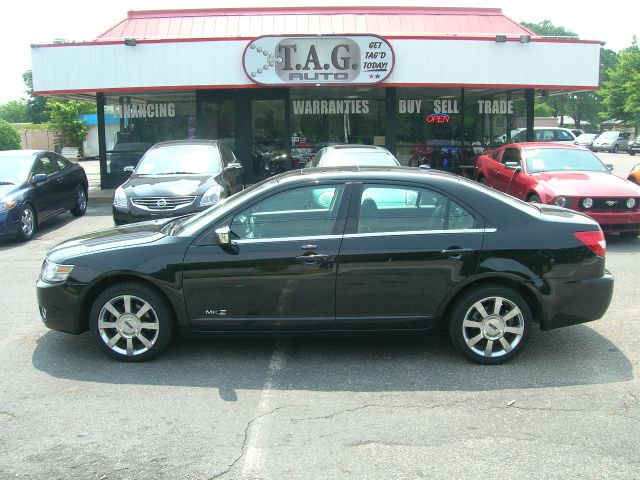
(547, 134)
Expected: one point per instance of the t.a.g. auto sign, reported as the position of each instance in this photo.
(360, 59)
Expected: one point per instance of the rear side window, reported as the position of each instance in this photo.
(393, 208)
(563, 136)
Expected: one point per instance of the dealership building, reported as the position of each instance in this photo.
(432, 85)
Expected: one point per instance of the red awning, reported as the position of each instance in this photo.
(400, 22)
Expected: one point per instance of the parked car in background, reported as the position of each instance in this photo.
(36, 185)
(353, 155)
(634, 146)
(586, 140)
(634, 174)
(566, 176)
(176, 178)
(546, 134)
(457, 255)
(577, 131)
(126, 154)
(612, 141)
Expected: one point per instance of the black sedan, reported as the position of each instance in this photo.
(36, 185)
(176, 178)
(358, 249)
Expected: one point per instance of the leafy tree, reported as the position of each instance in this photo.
(64, 118)
(35, 104)
(9, 136)
(547, 29)
(14, 112)
(621, 92)
(542, 109)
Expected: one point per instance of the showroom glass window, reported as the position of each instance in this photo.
(134, 122)
(330, 116)
(429, 127)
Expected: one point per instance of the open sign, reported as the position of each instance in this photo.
(437, 118)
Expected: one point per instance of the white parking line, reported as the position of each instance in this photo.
(254, 456)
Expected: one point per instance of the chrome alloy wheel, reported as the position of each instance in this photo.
(493, 327)
(128, 325)
(81, 200)
(27, 222)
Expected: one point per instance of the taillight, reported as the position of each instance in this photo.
(594, 240)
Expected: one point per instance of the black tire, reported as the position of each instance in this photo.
(632, 153)
(134, 342)
(629, 234)
(80, 206)
(615, 149)
(533, 198)
(479, 335)
(483, 181)
(27, 223)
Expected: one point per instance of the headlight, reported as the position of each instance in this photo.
(587, 202)
(211, 196)
(120, 198)
(6, 205)
(631, 202)
(53, 272)
(562, 202)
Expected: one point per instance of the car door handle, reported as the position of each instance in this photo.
(312, 258)
(457, 252)
(60, 179)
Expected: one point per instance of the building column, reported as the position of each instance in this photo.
(529, 96)
(102, 139)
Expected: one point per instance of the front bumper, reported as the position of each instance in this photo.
(602, 148)
(57, 303)
(124, 215)
(574, 302)
(9, 222)
(616, 222)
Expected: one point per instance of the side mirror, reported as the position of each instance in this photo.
(129, 169)
(513, 166)
(609, 166)
(234, 165)
(39, 178)
(223, 235)
(425, 166)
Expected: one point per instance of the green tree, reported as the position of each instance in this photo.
(621, 92)
(9, 136)
(35, 104)
(542, 109)
(63, 116)
(547, 29)
(14, 112)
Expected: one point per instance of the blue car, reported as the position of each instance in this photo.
(36, 185)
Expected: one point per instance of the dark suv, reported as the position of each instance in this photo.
(176, 178)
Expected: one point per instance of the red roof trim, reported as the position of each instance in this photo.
(481, 38)
(254, 86)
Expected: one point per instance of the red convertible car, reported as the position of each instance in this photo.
(563, 175)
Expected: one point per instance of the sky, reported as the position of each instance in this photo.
(39, 21)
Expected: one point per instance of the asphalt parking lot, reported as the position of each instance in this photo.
(263, 408)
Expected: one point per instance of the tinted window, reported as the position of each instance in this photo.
(563, 136)
(44, 165)
(392, 208)
(62, 162)
(301, 212)
(227, 155)
(511, 155)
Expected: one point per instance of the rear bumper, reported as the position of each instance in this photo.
(574, 302)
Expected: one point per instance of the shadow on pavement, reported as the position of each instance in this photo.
(571, 356)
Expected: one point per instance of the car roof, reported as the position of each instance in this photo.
(22, 153)
(194, 141)
(365, 173)
(523, 145)
(355, 147)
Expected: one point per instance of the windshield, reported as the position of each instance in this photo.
(193, 224)
(180, 159)
(562, 159)
(609, 135)
(14, 170)
(358, 158)
(585, 137)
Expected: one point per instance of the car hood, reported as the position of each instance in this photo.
(110, 238)
(7, 189)
(595, 184)
(168, 185)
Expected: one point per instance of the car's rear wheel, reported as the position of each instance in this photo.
(490, 324)
(131, 322)
(615, 149)
(27, 223)
(534, 199)
(80, 206)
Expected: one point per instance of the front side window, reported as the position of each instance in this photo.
(44, 165)
(393, 208)
(300, 212)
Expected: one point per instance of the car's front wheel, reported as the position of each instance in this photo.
(490, 324)
(483, 181)
(27, 223)
(534, 199)
(131, 322)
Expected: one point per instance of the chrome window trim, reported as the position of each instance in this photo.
(420, 232)
(285, 239)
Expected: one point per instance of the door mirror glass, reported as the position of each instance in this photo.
(512, 166)
(39, 178)
(129, 169)
(223, 235)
